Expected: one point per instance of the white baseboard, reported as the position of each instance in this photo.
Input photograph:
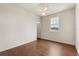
(58, 41)
(16, 45)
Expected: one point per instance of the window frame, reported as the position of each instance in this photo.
(56, 21)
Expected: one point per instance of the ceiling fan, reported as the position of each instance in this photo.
(44, 9)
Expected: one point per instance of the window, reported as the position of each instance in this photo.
(54, 23)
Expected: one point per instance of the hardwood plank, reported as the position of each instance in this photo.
(42, 48)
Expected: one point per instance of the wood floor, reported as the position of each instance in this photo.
(41, 48)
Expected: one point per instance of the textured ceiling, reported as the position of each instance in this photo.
(52, 7)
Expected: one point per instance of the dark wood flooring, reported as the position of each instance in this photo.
(41, 48)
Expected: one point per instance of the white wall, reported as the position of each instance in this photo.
(39, 28)
(17, 26)
(66, 32)
(77, 27)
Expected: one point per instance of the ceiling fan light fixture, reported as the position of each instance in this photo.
(43, 14)
(45, 9)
